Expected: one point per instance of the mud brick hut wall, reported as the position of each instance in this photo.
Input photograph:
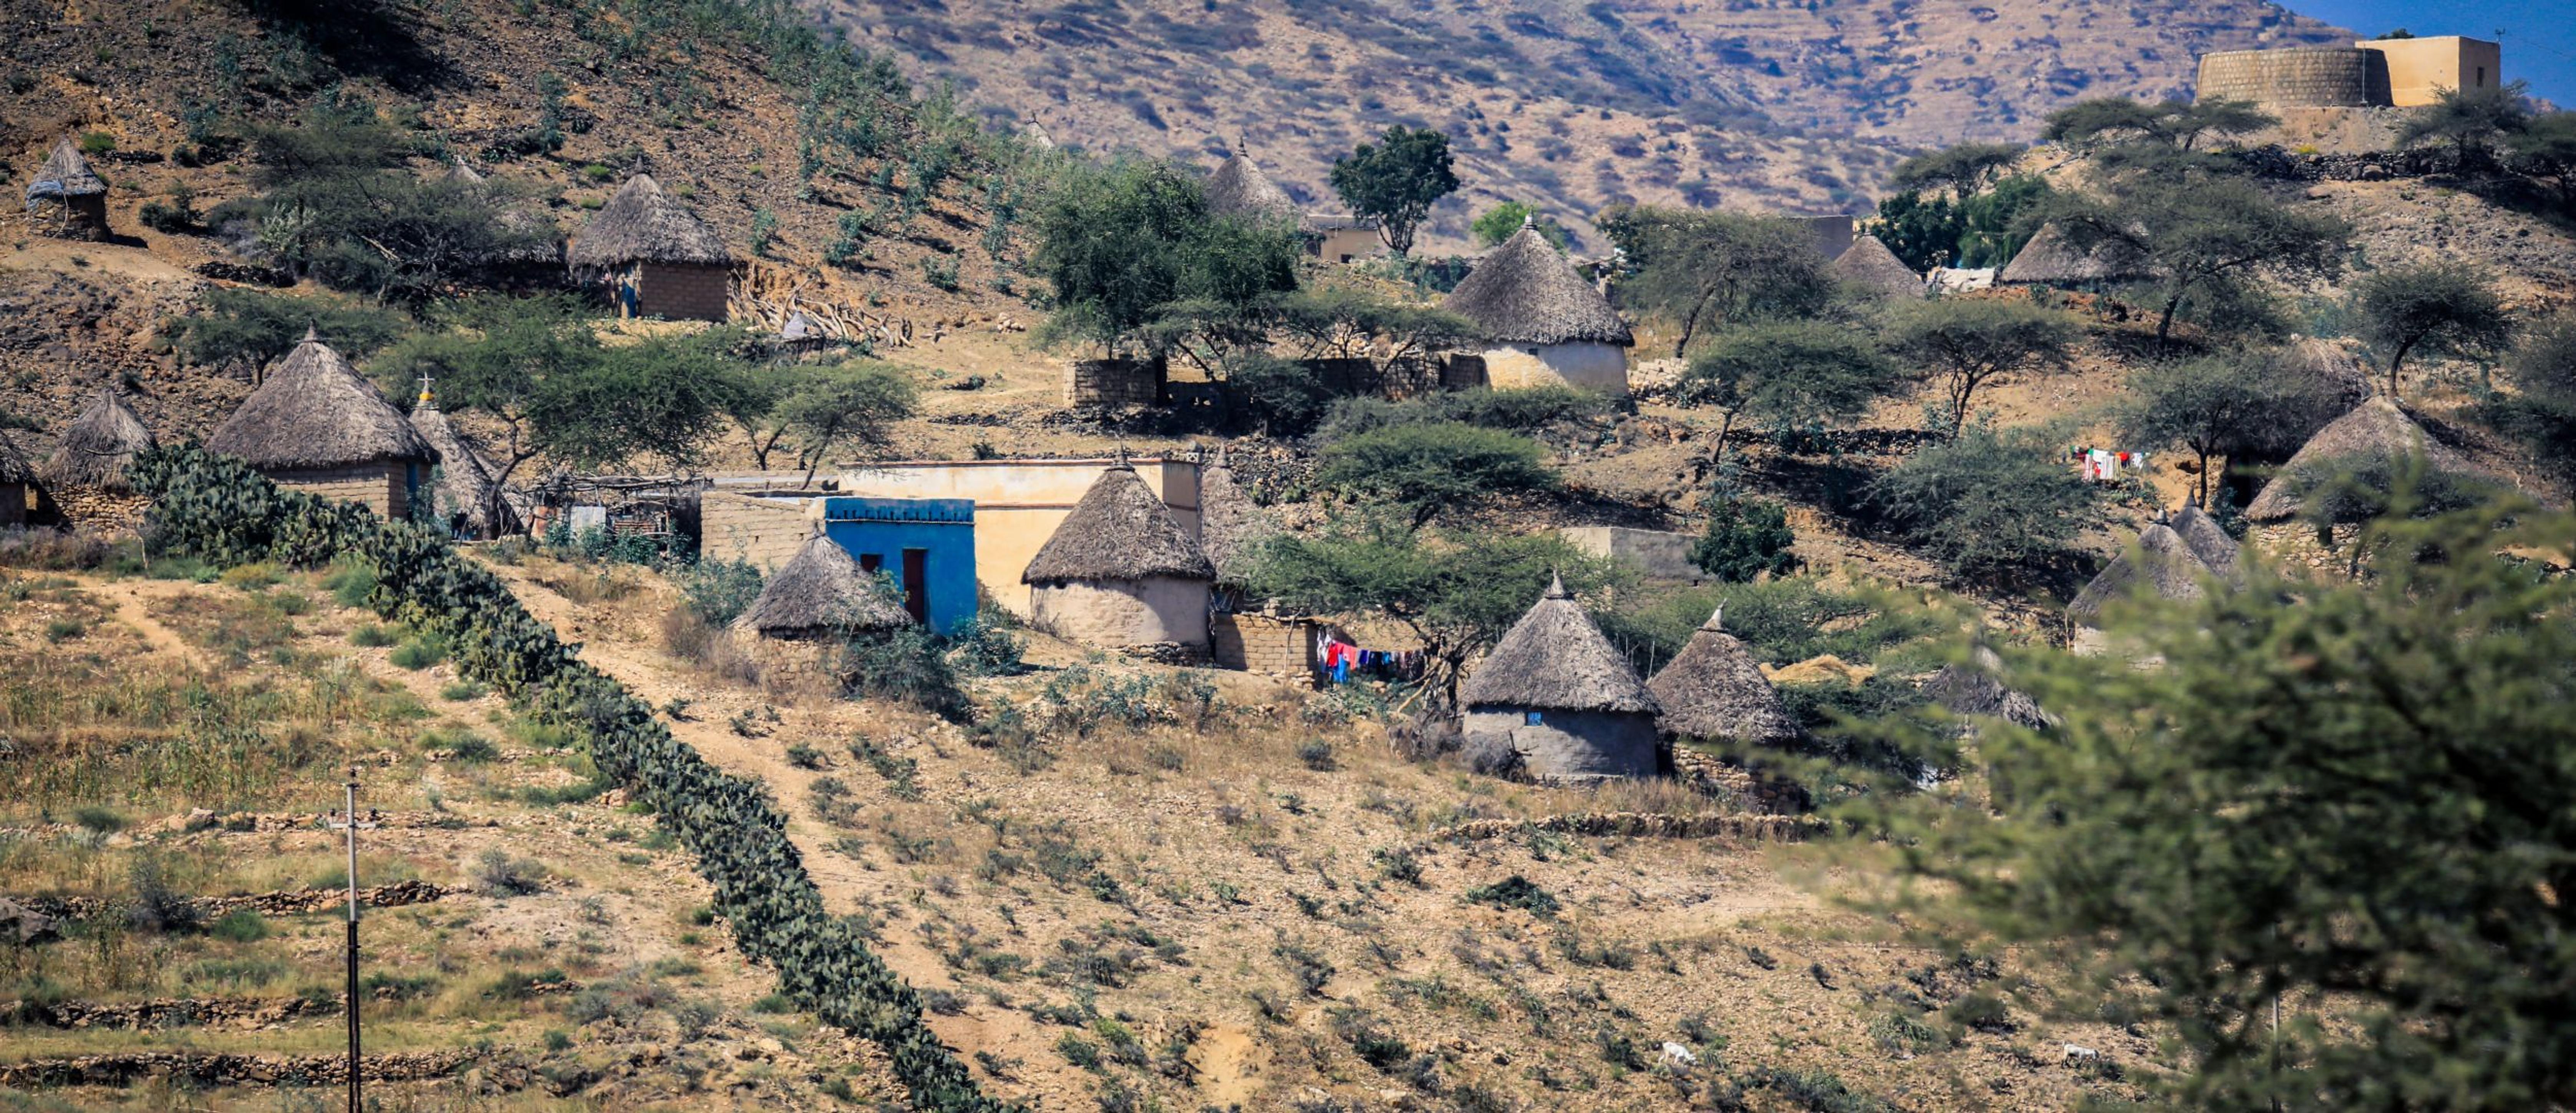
(1266, 644)
(1116, 382)
(384, 488)
(763, 531)
(682, 291)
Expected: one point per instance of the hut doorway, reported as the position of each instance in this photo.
(916, 584)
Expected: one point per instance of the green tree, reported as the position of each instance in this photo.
(244, 327)
(850, 405)
(1457, 591)
(2343, 800)
(1135, 260)
(1963, 170)
(1978, 230)
(1427, 469)
(1745, 538)
(1967, 343)
(1988, 505)
(2541, 410)
(2471, 121)
(1923, 232)
(2545, 150)
(2445, 309)
(1706, 269)
(2248, 403)
(2108, 124)
(1498, 223)
(1789, 375)
(1396, 179)
(2202, 234)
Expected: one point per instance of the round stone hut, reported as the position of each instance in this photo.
(2209, 542)
(655, 257)
(1543, 323)
(1975, 689)
(1869, 265)
(467, 497)
(1713, 690)
(68, 200)
(86, 475)
(1238, 188)
(2052, 259)
(2369, 445)
(1121, 573)
(809, 609)
(2299, 77)
(1230, 524)
(2160, 565)
(317, 426)
(1557, 702)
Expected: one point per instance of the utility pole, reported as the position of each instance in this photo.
(351, 824)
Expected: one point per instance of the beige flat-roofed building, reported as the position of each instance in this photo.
(2419, 69)
(1019, 504)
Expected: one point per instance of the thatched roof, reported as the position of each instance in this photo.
(2211, 544)
(1713, 689)
(2375, 433)
(13, 464)
(2051, 258)
(1239, 188)
(643, 224)
(821, 591)
(1526, 293)
(316, 412)
(1554, 658)
(2160, 562)
(464, 479)
(1229, 524)
(1869, 265)
(66, 174)
(1119, 531)
(95, 448)
(1977, 688)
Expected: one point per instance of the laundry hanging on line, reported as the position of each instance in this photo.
(2105, 464)
(1337, 659)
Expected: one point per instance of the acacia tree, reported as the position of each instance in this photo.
(2113, 123)
(2472, 121)
(1968, 343)
(1396, 180)
(1428, 468)
(1963, 170)
(2340, 802)
(1136, 261)
(822, 408)
(1988, 505)
(2215, 405)
(2545, 150)
(1788, 375)
(1704, 269)
(2438, 308)
(2201, 233)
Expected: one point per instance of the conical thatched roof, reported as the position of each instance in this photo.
(464, 479)
(643, 224)
(2211, 544)
(1554, 658)
(2160, 562)
(1229, 524)
(2051, 258)
(13, 464)
(316, 412)
(66, 174)
(1977, 688)
(1869, 265)
(1526, 293)
(95, 448)
(1119, 531)
(1239, 188)
(821, 591)
(1713, 689)
(2375, 433)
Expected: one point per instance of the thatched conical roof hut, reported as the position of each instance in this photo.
(1555, 658)
(464, 478)
(95, 448)
(2160, 563)
(1120, 530)
(66, 174)
(642, 224)
(67, 199)
(1238, 188)
(1868, 264)
(2375, 436)
(2052, 259)
(1714, 689)
(316, 412)
(1525, 292)
(821, 593)
(2207, 541)
(13, 465)
(1977, 688)
(1230, 525)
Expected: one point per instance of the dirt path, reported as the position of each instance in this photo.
(130, 599)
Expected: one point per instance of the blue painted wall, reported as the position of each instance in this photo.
(944, 529)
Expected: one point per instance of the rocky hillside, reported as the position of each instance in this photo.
(1754, 104)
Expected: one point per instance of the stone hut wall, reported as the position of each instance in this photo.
(1570, 746)
(95, 510)
(763, 531)
(2324, 77)
(683, 291)
(1266, 644)
(71, 218)
(1462, 371)
(1115, 382)
(383, 487)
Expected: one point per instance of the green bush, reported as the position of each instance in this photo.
(1516, 892)
(418, 653)
(1746, 537)
(241, 925)
(720, 590)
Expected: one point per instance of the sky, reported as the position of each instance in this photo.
(2539, 36)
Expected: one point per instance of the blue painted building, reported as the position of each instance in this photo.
(927, 545)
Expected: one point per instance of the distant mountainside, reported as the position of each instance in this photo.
(1752, 104)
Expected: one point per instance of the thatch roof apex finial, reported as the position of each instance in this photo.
(1556, 587)
(1716, 623)
(312, 335)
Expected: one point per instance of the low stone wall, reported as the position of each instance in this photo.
(1116, 383)
(210, 1069)
(98, 511)
(791, 665)
(1651, 825)
(1266, 644)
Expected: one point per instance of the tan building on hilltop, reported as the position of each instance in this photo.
(2419, 69)
(317, 426)
(2372, 73)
